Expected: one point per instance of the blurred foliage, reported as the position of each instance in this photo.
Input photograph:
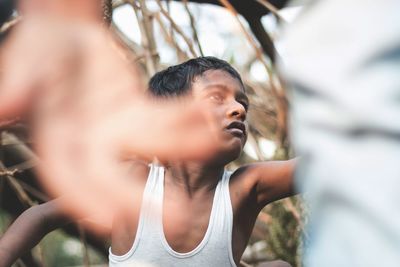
(58, 249)
(283, 234)
(61, 250)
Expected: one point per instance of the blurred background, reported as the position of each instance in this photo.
(158, 34)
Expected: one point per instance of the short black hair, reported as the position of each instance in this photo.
(177, 80)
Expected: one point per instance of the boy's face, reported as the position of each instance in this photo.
(226, 104)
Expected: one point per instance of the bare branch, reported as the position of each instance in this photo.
(192, 24)
(146, 29)
(13, 182)
(177, 29)
(272, 9)
(182, 55)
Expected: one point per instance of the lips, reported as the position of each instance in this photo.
(237, 129)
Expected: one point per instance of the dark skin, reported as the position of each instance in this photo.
(189, 186)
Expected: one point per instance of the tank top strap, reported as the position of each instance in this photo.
(154, 179)
(225, 185)
(223, 215)
(150, 245)
(153, 194)
(148, 211)
(228, 214)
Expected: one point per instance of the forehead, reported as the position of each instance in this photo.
(212, 78)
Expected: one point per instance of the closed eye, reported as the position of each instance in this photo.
(216, 97)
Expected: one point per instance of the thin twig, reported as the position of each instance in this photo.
(23, 149)
(192, 24)
(151, 42)
(182, 55)
(131, 45)
(276, 90)
(148, 41)
(259, 52)
(177, 29)
(257, 49)
(34, 192)
(272, 9)
(21, 167)
(8, 172)
(13, 182)
(118, 3)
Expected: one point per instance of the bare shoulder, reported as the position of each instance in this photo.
(252, 174)
(265, 181)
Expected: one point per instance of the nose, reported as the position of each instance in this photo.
(237, 111)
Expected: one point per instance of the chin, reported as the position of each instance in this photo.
(231, 154)
(236, 146)
(228, 151)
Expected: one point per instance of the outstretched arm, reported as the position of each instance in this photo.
(273, 180)
(28, 229)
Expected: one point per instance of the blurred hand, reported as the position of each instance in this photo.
(87, 109)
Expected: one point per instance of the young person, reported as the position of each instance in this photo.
(190, 212)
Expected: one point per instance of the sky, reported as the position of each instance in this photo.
(220, 35)
(217, 29)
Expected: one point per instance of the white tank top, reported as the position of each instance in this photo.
(150, 247)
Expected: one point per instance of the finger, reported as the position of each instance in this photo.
(174, 130)
(17, 77)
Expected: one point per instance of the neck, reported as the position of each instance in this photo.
(193, 177)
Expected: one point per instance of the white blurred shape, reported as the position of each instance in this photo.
(258, 72)
(267, 149)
